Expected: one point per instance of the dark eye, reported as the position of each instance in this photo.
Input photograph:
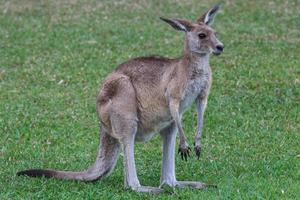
(202, 35)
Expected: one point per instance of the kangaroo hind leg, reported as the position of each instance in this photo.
(168, 176)
(124, 123)
(127, 129)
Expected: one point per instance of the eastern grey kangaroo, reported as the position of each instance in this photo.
(148, 95)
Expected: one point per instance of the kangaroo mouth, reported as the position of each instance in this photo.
(217, 53)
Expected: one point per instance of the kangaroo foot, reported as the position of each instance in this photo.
(147, 189)
(195, 185)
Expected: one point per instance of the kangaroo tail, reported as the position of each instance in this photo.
(104, 164)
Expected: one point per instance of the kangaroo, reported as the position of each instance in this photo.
(148, 95)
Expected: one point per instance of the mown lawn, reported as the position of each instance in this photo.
(53, 57)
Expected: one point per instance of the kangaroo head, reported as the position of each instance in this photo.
(200, 37)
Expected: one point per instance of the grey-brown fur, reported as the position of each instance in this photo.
(148, 95)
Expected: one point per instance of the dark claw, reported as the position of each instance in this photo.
(198, 151)
(184, 152)
(211, 185)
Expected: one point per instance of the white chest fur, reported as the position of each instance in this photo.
(193, 89)
(198, 84)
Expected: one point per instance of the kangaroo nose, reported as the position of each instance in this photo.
(220, 47)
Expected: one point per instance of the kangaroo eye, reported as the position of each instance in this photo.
(202, 35)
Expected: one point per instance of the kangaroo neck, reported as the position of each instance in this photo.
(195, 60)
(195, 63)
(198, 61)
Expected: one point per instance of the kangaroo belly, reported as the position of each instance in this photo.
(152, 121)
(146, 134)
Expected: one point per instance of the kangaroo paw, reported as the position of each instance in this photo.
(197, 149)
(184, 151)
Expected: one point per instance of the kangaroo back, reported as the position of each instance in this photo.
(104, 164)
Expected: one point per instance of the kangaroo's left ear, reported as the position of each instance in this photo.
(208, 17)
(179, 24)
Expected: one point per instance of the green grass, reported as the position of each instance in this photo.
(53, 57)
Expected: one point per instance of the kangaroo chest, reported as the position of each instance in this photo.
(153, 119)
(198, 85)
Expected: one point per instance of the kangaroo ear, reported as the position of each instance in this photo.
(208, 17)
(179, 24)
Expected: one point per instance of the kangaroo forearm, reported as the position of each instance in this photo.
(182, 137)
(200, 105)
(174, 108)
